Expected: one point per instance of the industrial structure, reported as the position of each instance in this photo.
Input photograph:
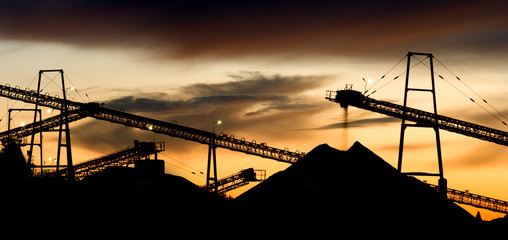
(72, 111)
(237, 180)
(423, 119)
(124, 157)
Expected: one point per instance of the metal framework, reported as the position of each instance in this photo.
(124, 157)
(421, 118)
(465, 197)
(77, 110)
(350, 97)
(63, 127)
(434, 126)
(211, 181)
(237, 180)
(44, 125)
(171, 129)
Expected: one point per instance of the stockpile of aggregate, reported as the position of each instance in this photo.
(329, 187)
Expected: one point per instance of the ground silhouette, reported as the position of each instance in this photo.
(353, 187)
(326, 191)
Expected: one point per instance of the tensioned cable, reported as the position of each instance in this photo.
(471, 89)
(472, 100)
(193, 172)
(396, 77)
(466, 95)
(382, 77)
(50, 81)
(73, 86)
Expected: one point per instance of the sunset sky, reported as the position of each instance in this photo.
(262, 67)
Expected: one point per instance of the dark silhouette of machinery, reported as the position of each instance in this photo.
(420, 118)
(465, 197)
(79, 110)
(237, 180)
(350, 97)
(73, 111)
(424, 119)
(125, 157)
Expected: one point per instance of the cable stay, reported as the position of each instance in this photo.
(192, 169)
(395, 78)
(384, 75)
(475, 93)
(497, 115)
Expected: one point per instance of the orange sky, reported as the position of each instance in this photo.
(263, 68)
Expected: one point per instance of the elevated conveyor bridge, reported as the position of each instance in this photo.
(421, 118)
(77, 110)
(124, 157)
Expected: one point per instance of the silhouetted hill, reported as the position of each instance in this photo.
(354, 187)
(324, 192)
(118, 199)
(13, 166)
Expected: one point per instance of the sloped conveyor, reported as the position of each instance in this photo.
(124, 157)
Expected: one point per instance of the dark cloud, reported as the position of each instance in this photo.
(259, 83)
(250, 102)
(269, 91)
(195, 28)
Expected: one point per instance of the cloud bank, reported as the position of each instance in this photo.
(195, 29)
(252, 102)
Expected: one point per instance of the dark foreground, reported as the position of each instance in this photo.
(326, 192)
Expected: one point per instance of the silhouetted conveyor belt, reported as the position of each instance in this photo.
(47, 124)
(123, 157)
(171, 129)
(421, 118)
(237, 180)
(476, 200)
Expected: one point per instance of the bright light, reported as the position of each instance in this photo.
(219, 122)
(369, 80)
(150, 127)
(22, 124)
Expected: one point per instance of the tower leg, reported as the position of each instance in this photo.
(212, 160)
(443, 187)
(401, 145)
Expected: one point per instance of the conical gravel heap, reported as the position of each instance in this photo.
(354, 186)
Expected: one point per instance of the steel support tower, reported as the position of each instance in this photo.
(63, 127)
(434, 126)
(212, 160)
